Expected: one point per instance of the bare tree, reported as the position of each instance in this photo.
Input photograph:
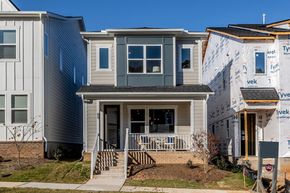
(204, 147)
(22, 134)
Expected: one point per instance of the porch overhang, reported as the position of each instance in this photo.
(184, 92)
(260, 96)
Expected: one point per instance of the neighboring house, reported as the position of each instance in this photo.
(247, 66)
(147, 80)
(42, 65)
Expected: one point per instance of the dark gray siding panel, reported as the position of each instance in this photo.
(124, 79)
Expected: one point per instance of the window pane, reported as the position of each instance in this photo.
(135, 52)
(8, 52)
(260, 62)
(185, 58)
(2, 101)
(153, 66)
(19, 101)
(8, 37)
(136, 66)
(19, 116)
(137, 127)
(153, 52)
(137, 115)
(104, 58)
(2, 116)
(161, 120)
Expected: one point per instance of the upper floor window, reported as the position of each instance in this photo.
(7, 44)
(260, 67)
(103, 53)
(19, 108)
(186, 57)
(144, 59)
(2, 109)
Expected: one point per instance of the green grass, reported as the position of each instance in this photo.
(58, 172)
(232, 182)
(28, 190)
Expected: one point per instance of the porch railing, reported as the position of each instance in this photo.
(159, 142)
(94, 157)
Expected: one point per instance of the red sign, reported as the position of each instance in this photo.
(269, 168)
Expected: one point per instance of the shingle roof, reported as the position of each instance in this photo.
(165, 89)
(238, 32)
(259, 94)
(260, 27)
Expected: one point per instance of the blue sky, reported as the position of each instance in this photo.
(194, 15)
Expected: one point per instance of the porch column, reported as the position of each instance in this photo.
(192, 116)
(98, 123)
(246, 135)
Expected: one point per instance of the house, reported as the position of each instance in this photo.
(148, 80)
(42, 65)
(246, 65)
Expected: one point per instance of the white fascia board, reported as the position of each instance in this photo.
(145, 30)
(22, 14)
(144, 93)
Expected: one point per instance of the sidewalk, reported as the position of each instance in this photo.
(107, 186)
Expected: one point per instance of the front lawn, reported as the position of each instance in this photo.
(180, 176)
(28, 190)
(46, 171)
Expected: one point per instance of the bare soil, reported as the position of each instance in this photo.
(181, 172)
(11, 164)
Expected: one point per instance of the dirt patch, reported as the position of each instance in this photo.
(11, 165)
(181, 172)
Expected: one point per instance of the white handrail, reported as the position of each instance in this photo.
(94, 157)
(126, 151)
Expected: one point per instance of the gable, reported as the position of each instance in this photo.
(7, 5)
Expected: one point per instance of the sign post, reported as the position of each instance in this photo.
(267, 150)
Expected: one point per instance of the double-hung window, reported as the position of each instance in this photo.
(144, 59)
(260, 67)
(2, 109)
(7, 44)
(137, 120)
(19, 104)
(185, 57)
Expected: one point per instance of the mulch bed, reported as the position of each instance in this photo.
(181, 172)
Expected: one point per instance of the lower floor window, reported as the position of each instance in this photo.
(19, 108)
(157, 120)
(161, 120)
(2, 109)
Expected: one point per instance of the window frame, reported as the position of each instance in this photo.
(145, 59)
(265, 63)
(19, 109)
(98, 47)
(16, 43)
(4, 109)
(147, 108)
(185, 46)
(130, 121)
(174, 124)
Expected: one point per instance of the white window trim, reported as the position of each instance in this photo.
(260, 74)
(17, 44)
(145, 59)
(191, 47)
(4, 109)
(12, 109)
(147, 108)
(109, 46)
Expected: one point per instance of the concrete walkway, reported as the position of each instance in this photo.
(113, 185)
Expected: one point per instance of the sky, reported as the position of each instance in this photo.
(192, 15)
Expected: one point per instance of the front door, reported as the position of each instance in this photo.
(112, 125)
(251, 127)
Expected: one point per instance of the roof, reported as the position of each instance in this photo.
(252, 31)
(239, 33)
(16, 7)
(145, 89)
(260, 94)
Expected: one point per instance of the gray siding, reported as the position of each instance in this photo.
(63, 109)
(125, 79)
